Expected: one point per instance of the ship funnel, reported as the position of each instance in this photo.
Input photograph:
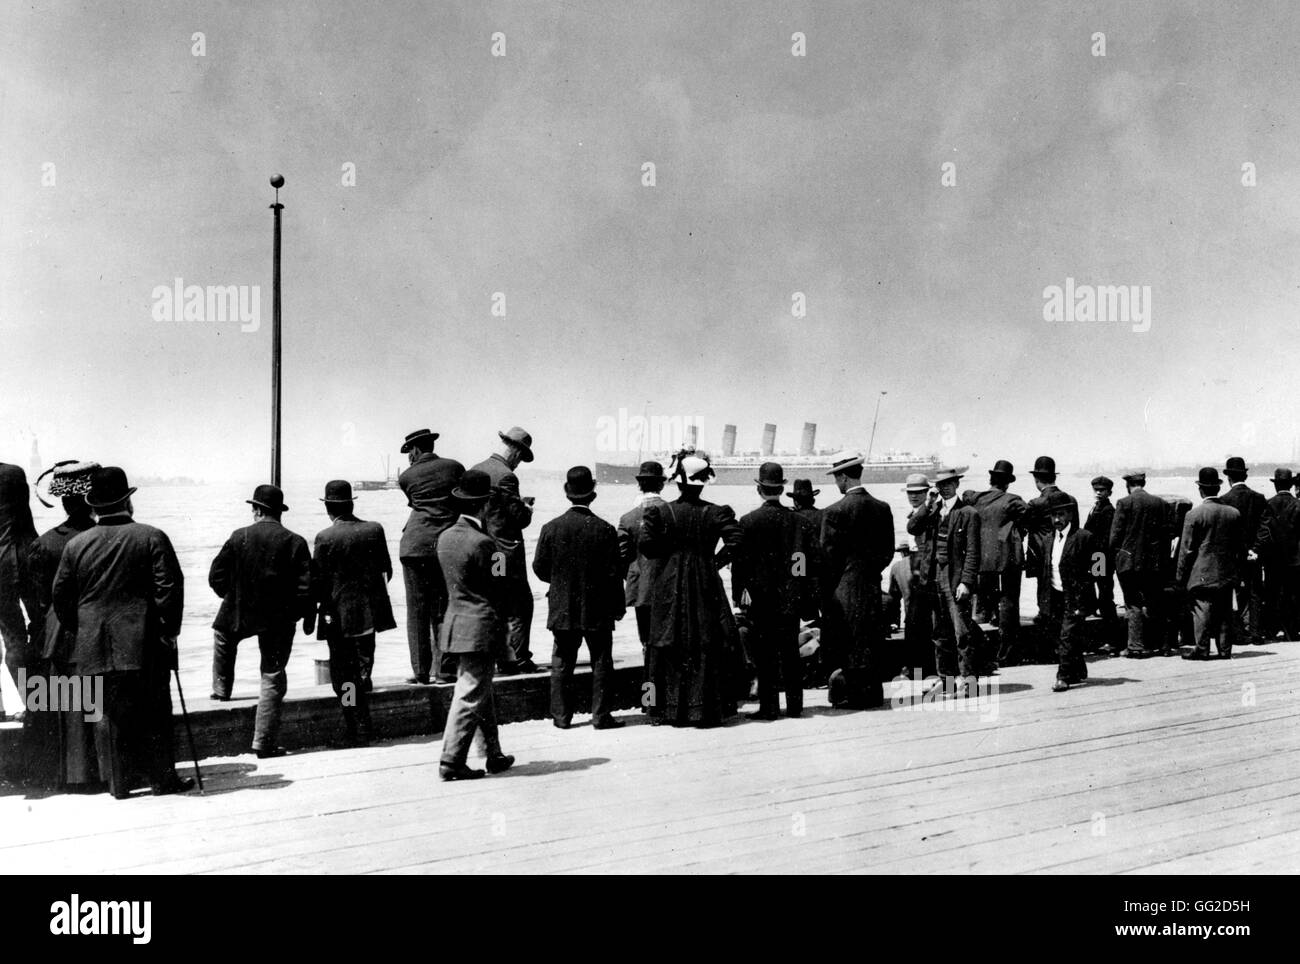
(692, 435)
(769, 439)
(809, 438)
(728, 440)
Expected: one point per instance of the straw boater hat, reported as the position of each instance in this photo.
(947, 475)
(916, 482)
(419, 435)
(845, 460)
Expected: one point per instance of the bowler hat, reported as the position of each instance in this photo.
(520, 440)
(770, 473)
(651, 470)
(1137, 478)
(1004, 469)
(845, 460)
(1282, 477)
(1235, 465)
(1209, 477)
(947, 475)
(916, 482)
(475, 486)
(1044, 465)
(339, 490)
(108, 486)
(417, 436)
(269, 497)
(802, 488)
(1102, 481)
(579, 485)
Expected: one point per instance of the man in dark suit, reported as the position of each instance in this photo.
(954, 530)
(1072, 594)
(17, 534)
(507, 516)
(577, 553)
(119, 588)
(804, 497)
(427, 485)
(923, 598)
(1139, 539)
(1002, 558)
(473, 630)
(1277, 549)
(1209, 566)
(857, 542)
(1250, 504)
(771, 580)
(638, 568)
(1101, 519)
(263, 576)
(1038, 529)
(351, 569)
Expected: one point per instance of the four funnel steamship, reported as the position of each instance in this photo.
(734, 468)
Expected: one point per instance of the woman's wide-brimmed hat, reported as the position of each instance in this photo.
(71, 478)
(693, 470)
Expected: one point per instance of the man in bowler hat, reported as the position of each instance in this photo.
(1209, 566)
(1002, 559)
(427, 484)
(1039, 530)
(577, 553)
(507, 515)
(119, 588)
(1277, 549)
(351, 569)
(1072, 594)
(638, 567)
(1251, 506)
(263, 576)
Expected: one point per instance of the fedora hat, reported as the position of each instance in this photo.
(474, 486)
(947, 475)
(339, 490)
(651, 470)
(1044, 465)
(520, 440)
(417, 436)
(1137, 478)
(579, 486)
(917, 482)
(802, 488)
(1282, 477)
(1235, 465)
(1209, 477)
(1005, 469)
(108, 486)
(268, 497)
(845, 460)
(770, 473)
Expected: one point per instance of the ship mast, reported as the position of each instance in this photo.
(873, 424)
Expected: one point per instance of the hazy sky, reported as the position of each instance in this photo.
(522, 174)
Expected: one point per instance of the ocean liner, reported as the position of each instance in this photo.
(741, 468)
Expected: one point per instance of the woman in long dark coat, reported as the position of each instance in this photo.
(693, 646)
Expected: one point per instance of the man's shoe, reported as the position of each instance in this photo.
(1225, 654)
(218, 698)
(1138, 653)
(1060, 686)
(446, 678)
(606, 723)
(500, 763)
(764, 715)
(837, 688)
(418, 680)
(174, 785)
(461, 772)
(793, 714)
(1197, 655)
(561, 724)
(269, 753)
(527, 666)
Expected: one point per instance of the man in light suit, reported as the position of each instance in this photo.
(1209, 566)
(1002, 558)
(263, 576)
(427, 485)
(351, 569)
(1072, 589)
(577, 553)
(1277, 547)
(1249, 591)
(505, 519)
(638, 568)
(119, 588)
(857, 543)
(473, 630)
(1139, 540)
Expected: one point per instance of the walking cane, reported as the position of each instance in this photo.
(188, 732)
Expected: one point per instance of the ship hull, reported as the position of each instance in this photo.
(611, 474)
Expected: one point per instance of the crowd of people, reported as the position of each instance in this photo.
(101, 596)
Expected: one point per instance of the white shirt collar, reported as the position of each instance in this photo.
(473, 520)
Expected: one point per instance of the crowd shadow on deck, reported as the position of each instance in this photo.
(220, 778)
(541, 768)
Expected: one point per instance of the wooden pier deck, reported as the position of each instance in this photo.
(1155, 766)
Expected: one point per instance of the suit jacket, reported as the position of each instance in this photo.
(777, 560)
(1210, 554)
(119, 588)
(45, 555)
(1251, 506)
(1001, 514)
(577, 553)
(1101, 519)
(1139, 534)
(17, 533)
(960, 554)
(857, 541)
(1039, 531)
(474, 592)
(350, 572)
(920, 526)
(427, 482)
(1278, 539)
(263, 576)
(1078, 583)
(638, 568)
(508, 515)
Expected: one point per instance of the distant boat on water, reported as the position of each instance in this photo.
(389, 481)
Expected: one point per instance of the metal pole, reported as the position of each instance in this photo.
(873, 425)
(277, 182)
